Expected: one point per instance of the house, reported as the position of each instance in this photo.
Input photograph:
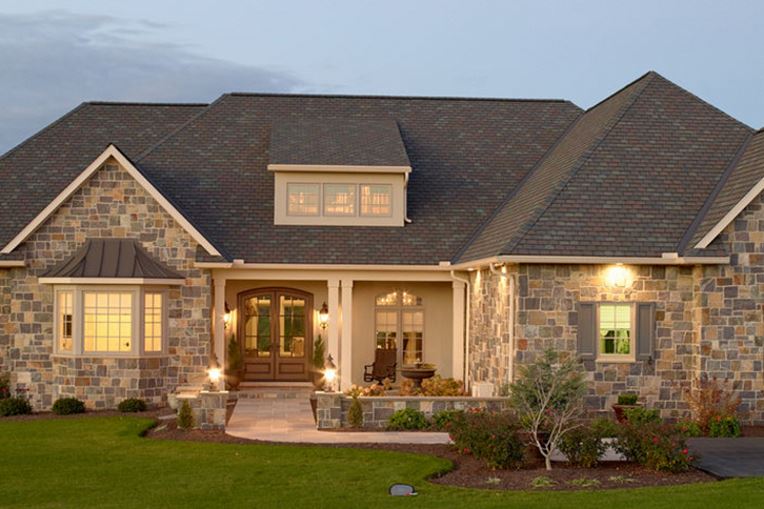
(137, 239)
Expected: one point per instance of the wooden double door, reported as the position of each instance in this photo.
(276, 334)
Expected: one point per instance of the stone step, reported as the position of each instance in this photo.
(274, 391)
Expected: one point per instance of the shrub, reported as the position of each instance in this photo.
(724, 427)
(627, 399)
(584, 446)
(5, 386)
(655, 445)
(185, 416)
(319, 353)
(14, 406)
(132, 405)
(549, 398)
(437, 386)
(491, 437)
(407, 419)
(234, 358)
(375, 389)
(689, 428)
(447, 419)
(68, 406)
(711, 399)
(355, 413)
(641, 415)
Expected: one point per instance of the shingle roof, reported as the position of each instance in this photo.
(112, 258)
(627, 179)
(337, 141)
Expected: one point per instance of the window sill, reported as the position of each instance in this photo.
(615, 360)
(105, 355)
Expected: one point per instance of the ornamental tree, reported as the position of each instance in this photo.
(549, 399)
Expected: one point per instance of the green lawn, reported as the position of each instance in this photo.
(102, 462)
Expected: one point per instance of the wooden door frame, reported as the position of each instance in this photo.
(275, 292)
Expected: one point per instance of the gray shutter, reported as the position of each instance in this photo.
(587, 330)
(645, 330)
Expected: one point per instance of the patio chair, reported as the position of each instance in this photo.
(383, 366)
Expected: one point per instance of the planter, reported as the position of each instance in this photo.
(417, 374)
(233, 380)
(620, 411)
(318, 380)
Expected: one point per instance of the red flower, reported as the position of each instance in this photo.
(465, 450)
(655, 440)
(684, 451)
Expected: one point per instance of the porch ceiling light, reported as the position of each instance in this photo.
(617, 276)
(323, 316)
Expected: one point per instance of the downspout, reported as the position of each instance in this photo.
(406, 199)
(466, 342)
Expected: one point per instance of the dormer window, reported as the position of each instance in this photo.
(339, 200)
(303, 199)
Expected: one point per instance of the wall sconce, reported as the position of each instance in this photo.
(323, 316)
(617, 276)
(214, 372)
(227, 315)
(330, 373)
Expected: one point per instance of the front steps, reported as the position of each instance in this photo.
(274, 390)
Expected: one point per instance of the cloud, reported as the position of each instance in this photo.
(54, 60)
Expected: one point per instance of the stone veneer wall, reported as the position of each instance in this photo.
(709, 323)
(110, 204)
(5, 316)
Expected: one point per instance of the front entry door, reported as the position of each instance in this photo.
(276, 331)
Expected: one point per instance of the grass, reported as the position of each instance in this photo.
(103, 462)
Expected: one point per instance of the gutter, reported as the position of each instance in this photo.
(665, 259)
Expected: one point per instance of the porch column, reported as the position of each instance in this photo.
(346, 359)
(220, 345)
(457, 362)
(333, 286)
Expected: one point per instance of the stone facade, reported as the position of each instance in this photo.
(209, 408)
(111, 204)
(332, 407)
(709, 323)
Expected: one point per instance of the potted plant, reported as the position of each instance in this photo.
(235, 364)
(626, 401)
(319, 354)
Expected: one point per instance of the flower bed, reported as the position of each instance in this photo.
(332, 407)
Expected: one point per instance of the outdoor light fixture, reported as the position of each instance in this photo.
(330, 373)
(214, 372)
(227, 315)
(323, 316)
(617, 276)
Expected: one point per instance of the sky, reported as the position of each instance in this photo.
(56, 54)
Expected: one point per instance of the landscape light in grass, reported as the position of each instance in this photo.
(402, 490)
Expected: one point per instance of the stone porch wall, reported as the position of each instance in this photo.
(110, 204)
(332, 407)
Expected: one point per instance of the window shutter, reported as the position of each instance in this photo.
(587, 330)
(645, 330)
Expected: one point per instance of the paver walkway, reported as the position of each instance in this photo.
(730, 457)
(291, 420)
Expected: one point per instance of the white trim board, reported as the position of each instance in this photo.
(337, 168)
(108, 281)
(4, 264)
(111, 152)
(731, 215)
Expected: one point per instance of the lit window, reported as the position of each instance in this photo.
(399, 315)
(303, 199)
(108, 321)
(65, 322)
(376, 200)
(152, 322)
(615, 330)
(339, 199)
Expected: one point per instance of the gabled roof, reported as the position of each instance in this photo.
(337, 142)
(118, 259)
(627, 179)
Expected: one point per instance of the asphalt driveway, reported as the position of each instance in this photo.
(729, 457)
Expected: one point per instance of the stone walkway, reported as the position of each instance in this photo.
(291, 420)
(730, 457)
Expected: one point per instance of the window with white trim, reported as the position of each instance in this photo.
(303, 199)
(376, 200)
(339, 199)
(400, 314)
(110, 321)
(615, 331)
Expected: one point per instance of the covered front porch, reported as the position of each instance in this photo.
(275, 315)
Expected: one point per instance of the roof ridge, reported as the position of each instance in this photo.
(650, 76)
(144, 103)
(692, 229)
(511, 194)
(401, 97)
(44, 129)
(177, 130)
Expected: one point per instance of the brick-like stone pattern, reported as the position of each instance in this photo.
(5, 316)
(209, 408)
(709, 323)
(332, 408)
(110, 204)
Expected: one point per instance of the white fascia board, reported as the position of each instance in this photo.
(108, 281)
(110, 152)
(731, 215)
(306, 266)
(594, 260)
(336, 168)
(12, 263)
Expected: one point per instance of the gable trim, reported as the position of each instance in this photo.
(111, 152)
(731, 215)
(338, 168)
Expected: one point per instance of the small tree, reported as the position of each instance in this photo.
(549, 399)
(185, 416)
(319, 353)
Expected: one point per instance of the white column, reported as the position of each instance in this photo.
(346, 350)
(457, 362)
(220, 346)
(333, 286)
